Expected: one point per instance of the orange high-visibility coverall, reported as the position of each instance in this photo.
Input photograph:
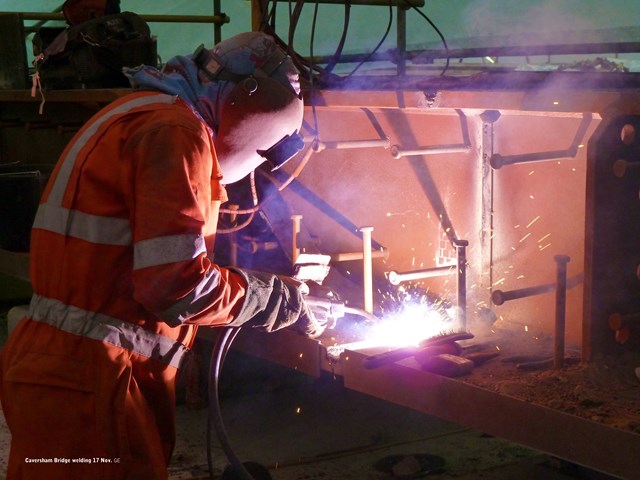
(122, 275)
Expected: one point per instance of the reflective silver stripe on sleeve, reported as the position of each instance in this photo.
(60, 185)
(92, 228)
(193, 303)
(167, 249)
(106, 329)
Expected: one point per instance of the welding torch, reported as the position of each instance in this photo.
(312, 269)
(335, 309)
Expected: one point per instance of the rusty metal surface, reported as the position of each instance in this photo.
(612, 229)
(569, 437)
(284, 348)
(514, 226)
(565, 436)
(549, 93)
(515, 219)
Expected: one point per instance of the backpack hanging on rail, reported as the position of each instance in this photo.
(80, 11)
(91, 54)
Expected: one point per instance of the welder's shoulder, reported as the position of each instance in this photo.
(160, 116)
(175, 113)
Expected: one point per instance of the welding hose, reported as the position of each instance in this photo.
(218, 354)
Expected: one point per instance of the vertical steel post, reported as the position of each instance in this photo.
(561, 306)
(367, 268)
(401, 40)
(461, 250)
(488, 118)
(217, 28)
(257, 7)
(295, 230)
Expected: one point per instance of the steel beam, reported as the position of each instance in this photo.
(569, 437)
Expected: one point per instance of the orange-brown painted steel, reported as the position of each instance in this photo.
(415, 202)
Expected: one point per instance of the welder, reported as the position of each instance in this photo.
(122, 263)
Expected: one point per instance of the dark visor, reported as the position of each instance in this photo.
(283, 151)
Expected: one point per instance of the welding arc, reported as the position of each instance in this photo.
(218, 354)
(434, 345)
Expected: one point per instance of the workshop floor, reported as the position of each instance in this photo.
(305, 428)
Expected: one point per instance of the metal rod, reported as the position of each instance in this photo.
(217, 28)
(622, 167)
(461, 249)
(347, 144)
(215, 19)
(376, 3)
(498, 297)
(561, 307)
(367, 268)
(350, 256)
(398, 152)
(427, 55)
(396, 278)
(295, 224)
(489, 118)
(498, 161)
(618, 321)
(401, 41)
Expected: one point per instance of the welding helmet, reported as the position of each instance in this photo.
(261, 112)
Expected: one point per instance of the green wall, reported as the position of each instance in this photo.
(461, 22)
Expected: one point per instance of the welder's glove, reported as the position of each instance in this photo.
(273, 302)
(324, 304)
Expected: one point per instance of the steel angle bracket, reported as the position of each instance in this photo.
(556, 433)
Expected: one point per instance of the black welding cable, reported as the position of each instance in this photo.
(377, 47)
(311, 78)
(333, 61)
(437, 30)
(218, 354)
